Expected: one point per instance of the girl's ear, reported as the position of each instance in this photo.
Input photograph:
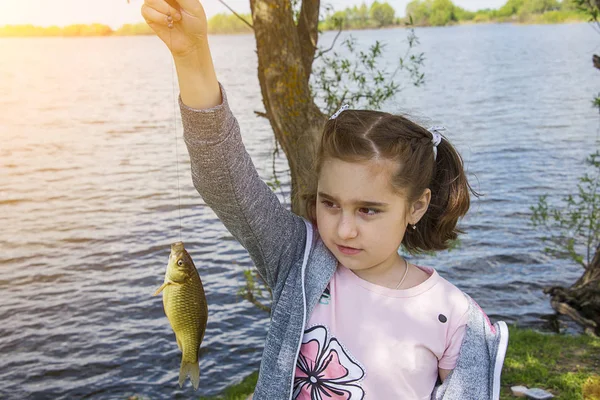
(419, 207)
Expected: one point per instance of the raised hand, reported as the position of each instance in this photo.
(180, 24)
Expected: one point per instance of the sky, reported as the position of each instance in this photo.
(118, 12)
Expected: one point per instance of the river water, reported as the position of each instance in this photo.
(90, 149)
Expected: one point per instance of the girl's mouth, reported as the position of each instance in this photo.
(348, 250)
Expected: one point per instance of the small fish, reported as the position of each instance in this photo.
(185, 305)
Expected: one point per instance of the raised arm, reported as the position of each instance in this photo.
(182, 26)
(222, 170)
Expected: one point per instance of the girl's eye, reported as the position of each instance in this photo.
(329, 204)
(370, 209)
(180, 263)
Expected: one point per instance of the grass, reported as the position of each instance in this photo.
(566, 366)
(241, 391)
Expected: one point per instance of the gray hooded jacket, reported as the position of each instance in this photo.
(295, 263)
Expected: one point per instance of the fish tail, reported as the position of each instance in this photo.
(189, 369)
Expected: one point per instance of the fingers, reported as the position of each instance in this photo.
(159, 12)
(192, 7)
(188, 5)
(173, 3)
(164, 6)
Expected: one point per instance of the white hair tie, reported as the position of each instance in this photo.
(338, 112)
(437, 138)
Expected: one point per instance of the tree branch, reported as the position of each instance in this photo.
(308, 33)
(564, 308)
(248, 295)
(261, 114)
(332, 44)
(237, 15)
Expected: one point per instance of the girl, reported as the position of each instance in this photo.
(351, 318)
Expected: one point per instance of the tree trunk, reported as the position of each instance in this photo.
(285, 57)
(581, 301)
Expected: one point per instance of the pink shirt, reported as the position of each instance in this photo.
(365, 341)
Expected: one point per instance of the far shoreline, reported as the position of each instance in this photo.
(56, 31)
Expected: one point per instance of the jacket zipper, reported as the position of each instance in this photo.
(500, 354)
(304, 262)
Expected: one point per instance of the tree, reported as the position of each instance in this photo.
(360, 16)
(572, 227)
(287, 34)
(418, 11)
(590, 7)
(463, 15)
(228, 23)
(511, 8)
(383, 14)
(568, 5)
(431, 12)
(577, 226)
(538, 6)
(337, 18)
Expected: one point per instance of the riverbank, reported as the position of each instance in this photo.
(143, 29)
(566, 366)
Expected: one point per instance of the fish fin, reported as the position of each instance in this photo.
(160, 289)
(164, 285)
(192, 370)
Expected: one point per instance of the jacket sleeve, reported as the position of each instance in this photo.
(476, 375)
(225, 177)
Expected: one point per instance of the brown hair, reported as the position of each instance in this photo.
(362, 135)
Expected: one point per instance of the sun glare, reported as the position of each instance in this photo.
(45, 13)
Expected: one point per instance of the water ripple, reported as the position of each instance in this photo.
(90, 199)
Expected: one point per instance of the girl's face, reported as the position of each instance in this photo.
(357, 208)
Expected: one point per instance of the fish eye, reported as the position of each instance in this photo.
(180, 263)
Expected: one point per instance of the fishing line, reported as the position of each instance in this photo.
(175, 121)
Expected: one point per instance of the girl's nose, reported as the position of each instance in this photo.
(347, 227)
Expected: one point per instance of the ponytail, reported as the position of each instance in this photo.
(450, 200)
